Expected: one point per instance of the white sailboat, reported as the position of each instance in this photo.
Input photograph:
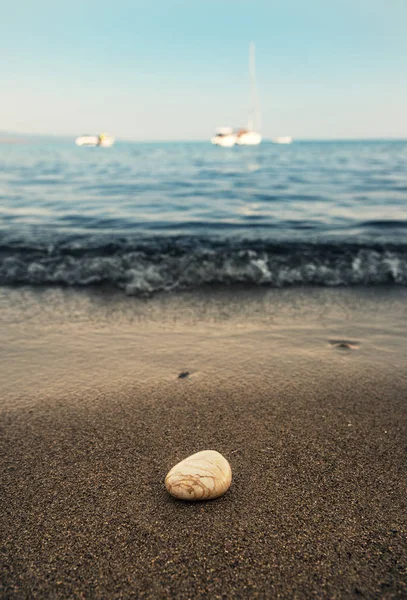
(225, 136)
(104, 139)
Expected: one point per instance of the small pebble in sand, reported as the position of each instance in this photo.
(344, 344)
(183, 374)
(202, 476)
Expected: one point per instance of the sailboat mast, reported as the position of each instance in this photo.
(253, 116)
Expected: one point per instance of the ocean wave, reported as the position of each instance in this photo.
(155, 265)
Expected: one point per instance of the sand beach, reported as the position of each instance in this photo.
(304, 392)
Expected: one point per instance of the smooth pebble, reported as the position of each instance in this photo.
(202, 476)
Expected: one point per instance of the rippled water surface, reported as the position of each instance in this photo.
(150, 217)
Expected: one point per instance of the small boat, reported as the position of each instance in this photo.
(284, 139)
(103, 139)
(246, 137)
(225, 136)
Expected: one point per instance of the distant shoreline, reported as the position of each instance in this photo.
(14, 141)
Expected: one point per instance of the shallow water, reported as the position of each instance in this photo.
(152, 217)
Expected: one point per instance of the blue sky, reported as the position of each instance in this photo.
(175, 70)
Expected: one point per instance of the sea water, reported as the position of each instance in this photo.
(157, 217)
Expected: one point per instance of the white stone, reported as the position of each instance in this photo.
(202, 476)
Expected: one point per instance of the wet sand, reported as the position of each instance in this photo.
(304, 394)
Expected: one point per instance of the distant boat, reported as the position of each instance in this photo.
(225, 136)
(104, 139)
(284, 139)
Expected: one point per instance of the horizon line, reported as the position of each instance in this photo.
(15, 134)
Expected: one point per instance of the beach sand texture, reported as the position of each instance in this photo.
(303, 393)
